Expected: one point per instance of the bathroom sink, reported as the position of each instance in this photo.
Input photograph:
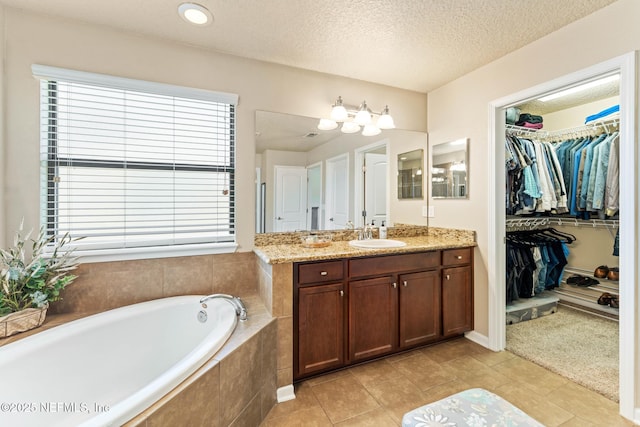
(377, 243)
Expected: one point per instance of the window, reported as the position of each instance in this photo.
(127, 164)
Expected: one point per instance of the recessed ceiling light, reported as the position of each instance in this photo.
(195, 13)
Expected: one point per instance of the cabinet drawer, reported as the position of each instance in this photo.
(393, 264)
(319, 272)
(456, 256)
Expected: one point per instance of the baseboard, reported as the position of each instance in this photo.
(285, 393)
(477, 338)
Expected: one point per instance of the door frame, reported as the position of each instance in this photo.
(317, 165)
(625, 65)
(358, 183)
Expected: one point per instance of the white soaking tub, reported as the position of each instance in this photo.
(105, 369)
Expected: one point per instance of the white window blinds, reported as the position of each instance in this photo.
(128, 164)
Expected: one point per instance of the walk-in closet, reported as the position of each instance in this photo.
(562, 233)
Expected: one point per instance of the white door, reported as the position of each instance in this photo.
(337, 197)
(290, 198)
(376, 187)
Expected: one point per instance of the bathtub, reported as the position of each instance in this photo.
(105, 369)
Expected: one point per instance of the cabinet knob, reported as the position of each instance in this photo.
(459, 257)
(323, 273)
(448, 277)
(395, 285)
(341, 293)
(405, 283)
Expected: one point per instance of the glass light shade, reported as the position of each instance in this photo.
(371, 130)
(385, 121)
(339, 113)
(327, 124)
(195, 13)
(349, 127)
(362, 117)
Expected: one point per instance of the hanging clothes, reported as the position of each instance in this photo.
(535, 183)
(535, 261)
(587, 168)
(577, 175)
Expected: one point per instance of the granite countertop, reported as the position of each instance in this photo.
(294, 252)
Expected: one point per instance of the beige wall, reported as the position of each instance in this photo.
(68, 44)
(460, 109)
(572, 117)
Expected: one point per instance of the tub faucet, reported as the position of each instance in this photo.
(236, 302)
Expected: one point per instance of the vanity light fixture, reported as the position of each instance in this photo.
(371, 130)
(338, 111)
(195, 14)
(327, 124)
(385, 121)
(350, 127)
(363, 116)
(353, 118)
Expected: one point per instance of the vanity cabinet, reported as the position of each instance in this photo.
(419, 308)
(457, 292)
(320, 314)
(372, 317)
(351, 310)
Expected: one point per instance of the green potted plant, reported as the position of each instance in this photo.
(28, 283)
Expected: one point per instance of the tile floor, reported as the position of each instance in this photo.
(379, 393)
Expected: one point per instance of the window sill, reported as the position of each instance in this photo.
(127, 254)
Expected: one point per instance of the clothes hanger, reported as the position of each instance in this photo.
(569, 237)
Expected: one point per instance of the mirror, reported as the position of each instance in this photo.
(310, 179)
(410, 174)
(450, 163)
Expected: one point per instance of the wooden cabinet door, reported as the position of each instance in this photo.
(457, 300)
(419, 308)
(320, 328)
(372, 317)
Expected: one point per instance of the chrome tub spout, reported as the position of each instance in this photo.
(236, 302)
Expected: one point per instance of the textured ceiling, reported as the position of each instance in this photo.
(411, 44)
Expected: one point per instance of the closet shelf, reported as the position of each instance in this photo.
(586, 298)
(610, 284)
(531, 223)
(595, 126)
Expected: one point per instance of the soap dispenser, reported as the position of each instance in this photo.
(382, 231)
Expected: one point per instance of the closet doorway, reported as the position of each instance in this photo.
(626, 68)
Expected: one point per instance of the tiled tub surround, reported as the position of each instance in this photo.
(278, 251)
(164, 342)
(238, 385)
(106, 285)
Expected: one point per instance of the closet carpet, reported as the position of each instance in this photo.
(576, 345)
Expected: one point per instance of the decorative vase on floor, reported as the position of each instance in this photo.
(21, 321)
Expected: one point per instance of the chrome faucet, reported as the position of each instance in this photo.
(236, 302)
(365, 233)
